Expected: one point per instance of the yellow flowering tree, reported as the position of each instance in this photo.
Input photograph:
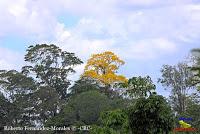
(103, 67)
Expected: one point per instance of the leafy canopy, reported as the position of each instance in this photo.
(103, 67)
(113, 122)
(51, 66)
(137, 87)
(83, 85)
(17, 105)
(151, 116)
(83, 108)
(178, 79)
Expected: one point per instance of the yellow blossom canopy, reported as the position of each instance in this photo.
(103, 67)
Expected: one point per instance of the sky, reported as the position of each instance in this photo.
(146, 34)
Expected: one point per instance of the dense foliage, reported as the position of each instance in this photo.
(112, 122)
(41, 94)
(103, 67)
(137, 87)
(151, 116)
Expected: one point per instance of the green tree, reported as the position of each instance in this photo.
(39, 91)
(193, 110)
(112, 122)
(83, 108)
(179, 80)
(19, 89)
(138, 87)
(4, 111)
(151, 115)
(51, 66)
(46, 103)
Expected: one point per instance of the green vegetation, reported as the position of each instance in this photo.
(151, 116)
(41, 94)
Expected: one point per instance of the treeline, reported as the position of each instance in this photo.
(41, 94)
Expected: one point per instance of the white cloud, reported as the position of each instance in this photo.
(143, 2)
(26, 18)
(141, 32)
(148, 49)
(18, 9)
(10, 59)
(84, 47)
(146, 34)
(134, 29)
(61, 33)
(39, 18)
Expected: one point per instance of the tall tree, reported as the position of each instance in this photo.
(179, 80)
(51, 66)
(39, 91)
(103, 67)
(19, 89)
